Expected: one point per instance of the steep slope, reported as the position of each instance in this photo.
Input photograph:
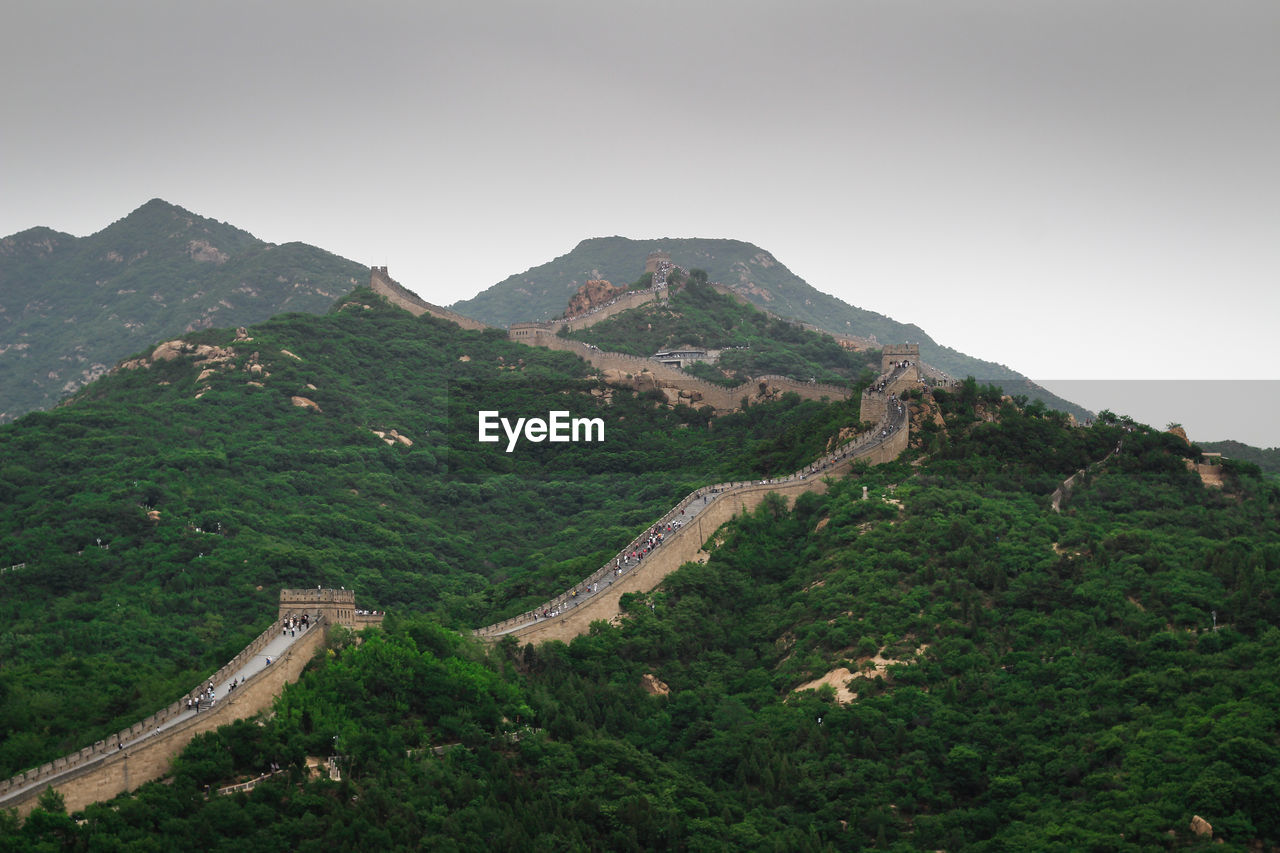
(71, 307)
(941, 662)
(155, 516)
(543, 291)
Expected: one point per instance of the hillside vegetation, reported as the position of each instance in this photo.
(1001, 677)
(754, 343)
(159, 512)
(70, 307)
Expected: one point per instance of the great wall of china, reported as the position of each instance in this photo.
(381, 283)
(646, 373)
(699, 514)
(146, 750)
(571, 612)
(620, 368)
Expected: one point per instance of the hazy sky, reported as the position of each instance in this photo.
(1076, 189)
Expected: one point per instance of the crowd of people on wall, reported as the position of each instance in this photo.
(205, 696)
(614, 301)
(624, 561)
(293, 624)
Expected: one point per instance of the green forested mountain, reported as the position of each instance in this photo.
(1001, 677)
(948, 663)
(159, 512)
(70, 307)
(542, 292)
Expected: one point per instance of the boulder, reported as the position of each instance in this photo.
(304, 403)
(651, 685)
(168, 351)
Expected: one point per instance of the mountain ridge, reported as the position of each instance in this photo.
(541, 292)
(70, 307)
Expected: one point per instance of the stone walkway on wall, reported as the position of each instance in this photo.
(273, 651)
(19, 788)
(1065, 487)
(605, 584)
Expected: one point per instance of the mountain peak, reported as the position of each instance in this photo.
(84, 303)
(154, 211)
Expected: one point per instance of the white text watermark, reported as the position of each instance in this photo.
(558, 427)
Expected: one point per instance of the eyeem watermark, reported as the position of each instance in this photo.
(557, 427)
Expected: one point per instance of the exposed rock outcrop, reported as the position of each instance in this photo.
(204, 354)
(650, 684)
(392, 437)
(202, 251)
(594, 293)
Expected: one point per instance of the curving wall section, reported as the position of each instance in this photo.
(701, 513)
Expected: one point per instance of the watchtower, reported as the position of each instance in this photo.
(656, 259)
(532, 333)
(894, 353)
(338, 606)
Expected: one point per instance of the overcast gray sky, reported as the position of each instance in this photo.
(1075, 189)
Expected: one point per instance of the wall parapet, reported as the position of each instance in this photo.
(112, 743)
(22, 789)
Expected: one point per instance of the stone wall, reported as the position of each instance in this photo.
(644, 373)
(901, 380)
(630, 299)
(682, 545)
(336, 605)
(873, 407)
(396, 294)
(103, 771)
(893, 353)
(655, 259)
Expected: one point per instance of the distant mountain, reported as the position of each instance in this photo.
(1268, 459)
(543, 291)
(71, 307)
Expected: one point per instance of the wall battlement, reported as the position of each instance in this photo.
(145, 750)
(338, 606)
(894, 353)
